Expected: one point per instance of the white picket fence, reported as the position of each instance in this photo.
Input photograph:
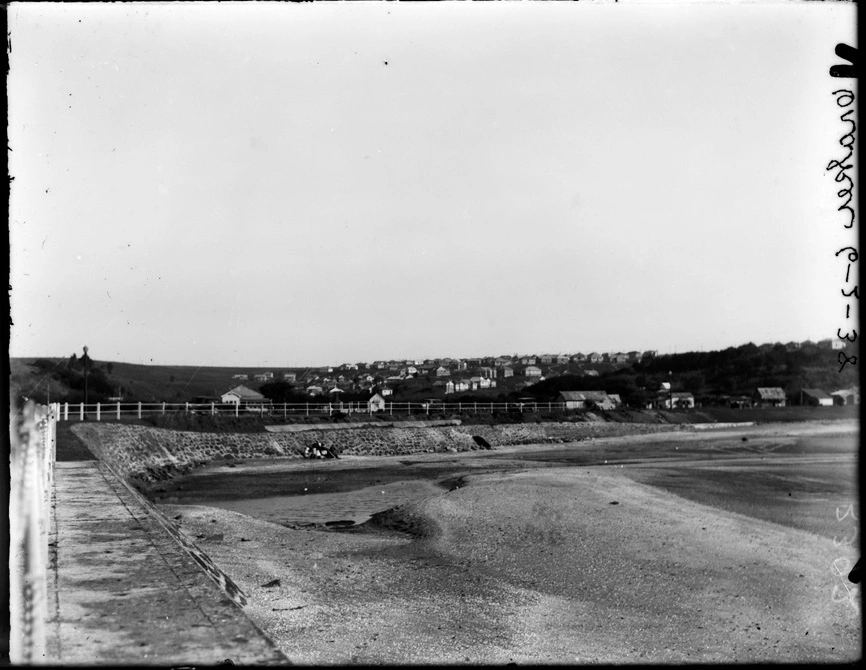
(32, 437)
(120, 410)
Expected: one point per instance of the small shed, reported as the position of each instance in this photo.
(846, 396)
(769, 396)
(376, 403)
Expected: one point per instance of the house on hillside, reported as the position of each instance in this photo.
(528, 360)
(618, 358)
(769, 396)
(532, 371)
(241, 395)
(849, 396)
(442, 371)
(562, 359)
(314, 390)
(376, 403)
(816, 398)
(666, 399)
(241, 377)
(683, 399)
(547, 359)
(586, 400)
(594, 357)
(507, 371)
(290, 376)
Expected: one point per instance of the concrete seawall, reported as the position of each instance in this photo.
(144, 455)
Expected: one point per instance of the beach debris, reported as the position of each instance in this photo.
(319, 450)
(272, 584)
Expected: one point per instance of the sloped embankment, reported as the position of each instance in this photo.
(145, 455)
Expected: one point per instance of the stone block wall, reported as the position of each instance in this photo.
(147, 455)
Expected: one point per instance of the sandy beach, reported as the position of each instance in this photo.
(554, 565)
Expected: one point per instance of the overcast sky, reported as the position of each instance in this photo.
(302, 184)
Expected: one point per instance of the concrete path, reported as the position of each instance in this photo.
(121, 591)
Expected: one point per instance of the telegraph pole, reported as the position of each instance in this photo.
(85, 375)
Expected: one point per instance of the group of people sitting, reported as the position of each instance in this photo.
(319, 450)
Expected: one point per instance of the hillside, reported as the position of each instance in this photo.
(49, 377)
(710, 376)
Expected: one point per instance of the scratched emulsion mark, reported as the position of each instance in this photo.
(841, 566)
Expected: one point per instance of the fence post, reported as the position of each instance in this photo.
(98, 410)
(212, 409)
(81, 410)
(237, 408)
(186, 409)
(66, 411)
(139, 409)
(307, 409)
(163, 408)
(118, 411)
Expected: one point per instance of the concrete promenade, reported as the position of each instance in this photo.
(122, 591)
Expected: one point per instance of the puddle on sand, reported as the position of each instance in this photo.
(357, 506)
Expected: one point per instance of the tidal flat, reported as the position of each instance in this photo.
(728, 545)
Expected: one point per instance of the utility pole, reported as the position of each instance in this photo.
(671, 389)
(85, 374)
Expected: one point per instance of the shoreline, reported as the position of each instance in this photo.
(553, 564)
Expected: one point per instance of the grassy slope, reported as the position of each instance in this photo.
(147, 383)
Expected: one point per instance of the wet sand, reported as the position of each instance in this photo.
(548, 563)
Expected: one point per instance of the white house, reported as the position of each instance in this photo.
(241, 395)
(532, 371)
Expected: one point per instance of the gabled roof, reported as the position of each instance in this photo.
(594, 396)
(816, 393)
(771, 393)
(245, 393)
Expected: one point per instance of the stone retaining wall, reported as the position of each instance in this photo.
(147, 455)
